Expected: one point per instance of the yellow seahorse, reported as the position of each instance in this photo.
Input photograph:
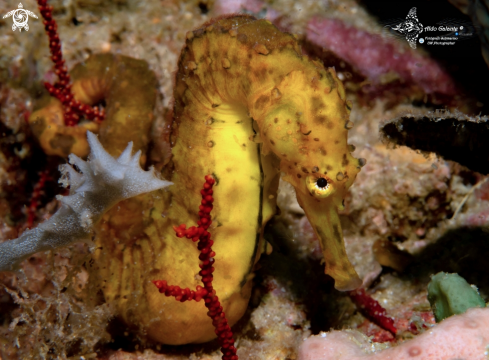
(248, 107)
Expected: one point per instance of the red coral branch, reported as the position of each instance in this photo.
(73, 109)
(200, 233)
(37, 192)
(373, 310)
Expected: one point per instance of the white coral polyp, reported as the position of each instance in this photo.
(102, 182)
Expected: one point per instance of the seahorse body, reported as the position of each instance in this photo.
(248, 107)
(237, 76)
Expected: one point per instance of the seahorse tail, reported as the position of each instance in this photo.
(128, 88)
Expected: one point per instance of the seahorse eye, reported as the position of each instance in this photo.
(322, 183)
(319, 186)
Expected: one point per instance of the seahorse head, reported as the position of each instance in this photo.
(304, 121)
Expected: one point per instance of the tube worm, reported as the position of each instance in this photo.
(247, 106)
(128, 88)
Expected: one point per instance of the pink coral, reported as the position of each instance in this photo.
(458, 337)
(375, 56)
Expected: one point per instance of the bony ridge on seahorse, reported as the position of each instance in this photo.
(248, 106)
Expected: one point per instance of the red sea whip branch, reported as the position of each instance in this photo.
(73, 109)
(373, 310)
(37, 192)
(200, 233)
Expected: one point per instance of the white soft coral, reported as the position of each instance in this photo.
(102, 182)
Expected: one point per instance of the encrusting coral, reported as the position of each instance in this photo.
(103, 182)
(458, 337)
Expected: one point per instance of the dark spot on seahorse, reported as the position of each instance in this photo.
(348, 106)
(329, 167)
(215, 105)
(272, 142)
(304, 170)
(336, 141)
(262, 101)
(239, 122)
(275, 120)
(316, 139)
(322, 150)
(307, 133)
(63, 142)
(345, 161)
(299, 176)
(317, 104)
(321, 119)
(260, 73)
(242, 37)
(337, 234)
(330, 125)
(315, 169)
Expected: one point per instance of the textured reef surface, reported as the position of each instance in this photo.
(419, 205)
